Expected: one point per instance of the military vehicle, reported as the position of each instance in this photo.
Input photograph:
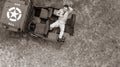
(23, 16)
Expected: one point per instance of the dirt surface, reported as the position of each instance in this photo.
(96, 42)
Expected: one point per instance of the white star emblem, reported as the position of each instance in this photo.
(14, 14)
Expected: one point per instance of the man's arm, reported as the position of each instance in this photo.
(70, 9)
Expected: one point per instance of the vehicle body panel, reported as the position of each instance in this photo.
(18, 21)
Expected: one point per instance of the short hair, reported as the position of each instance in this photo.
(66, 6)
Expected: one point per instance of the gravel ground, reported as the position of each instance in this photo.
(96, 42)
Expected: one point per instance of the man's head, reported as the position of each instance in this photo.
(66, 7)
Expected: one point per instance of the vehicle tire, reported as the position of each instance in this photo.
(70, 25)
(31, 27)
(73, 20)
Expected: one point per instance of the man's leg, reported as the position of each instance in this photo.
(62, 28)
(55, 24)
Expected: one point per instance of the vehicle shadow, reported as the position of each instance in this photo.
(46, 43)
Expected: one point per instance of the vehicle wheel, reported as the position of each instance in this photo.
(31, 27)
(70, 25)
(73, 20)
